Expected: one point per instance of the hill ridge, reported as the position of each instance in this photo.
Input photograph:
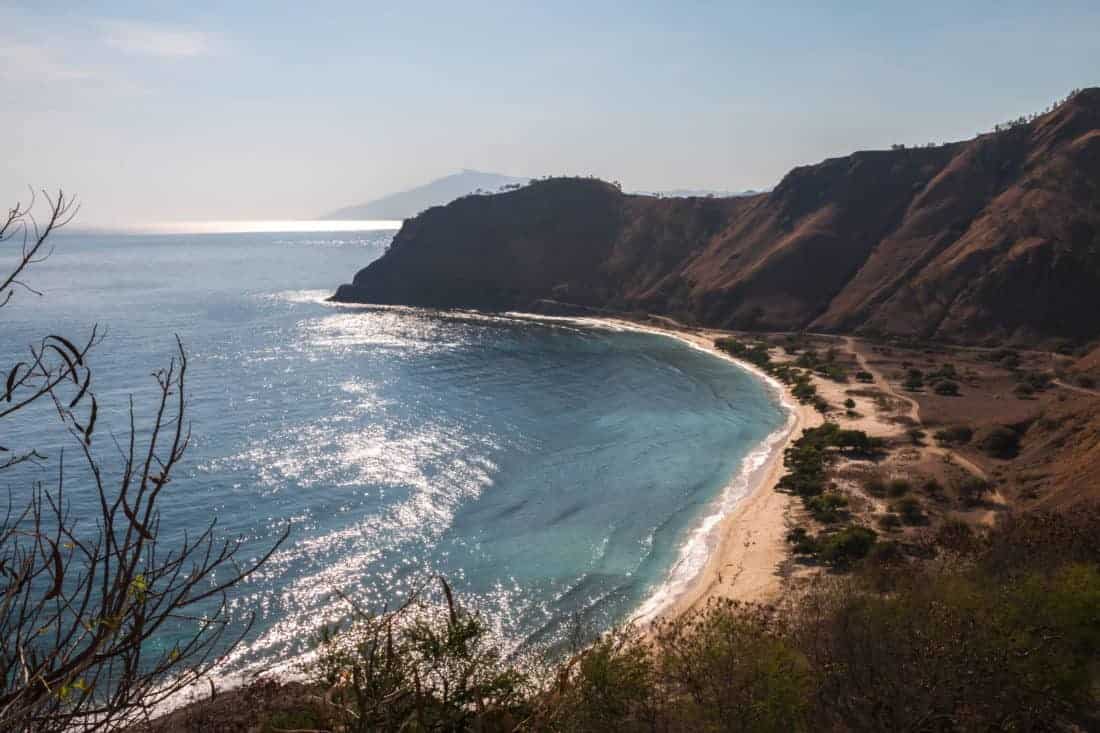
(992, 239)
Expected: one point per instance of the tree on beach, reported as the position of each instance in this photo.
(83, 597)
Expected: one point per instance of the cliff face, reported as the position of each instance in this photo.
(993, 239)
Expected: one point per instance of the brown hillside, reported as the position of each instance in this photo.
(994, 239)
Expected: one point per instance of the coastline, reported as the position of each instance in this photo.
(747, 544)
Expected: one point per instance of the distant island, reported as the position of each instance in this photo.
(442, 191)
(407, 204)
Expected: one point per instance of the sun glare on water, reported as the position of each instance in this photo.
(268, 225)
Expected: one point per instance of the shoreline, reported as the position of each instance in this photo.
(747, 543)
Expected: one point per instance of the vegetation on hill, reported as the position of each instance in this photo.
(960, 632)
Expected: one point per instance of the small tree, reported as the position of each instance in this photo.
(82, 596)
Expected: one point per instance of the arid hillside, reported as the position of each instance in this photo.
(996, 239)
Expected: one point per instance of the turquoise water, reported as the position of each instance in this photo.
(551, 472)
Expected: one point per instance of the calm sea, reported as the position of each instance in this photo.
(553, 473)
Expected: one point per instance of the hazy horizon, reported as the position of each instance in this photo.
(254, 113)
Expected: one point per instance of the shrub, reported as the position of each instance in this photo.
(732, 662)
(946, 388)
(898, 487)
(807, 359)
(1038, 381)
(1000, 442)
(889, 522)
(910, 511)
(842, 548)
(1007, 358)
(875, 485)
(803, 542)
(972, 490)
(834, 372)
(954, 435)
(857, 441)
(850, 403)
(828, 508)
(424, 666)
(916, 436)
(947, 371)
(914, 380)
(804, 391)
(864, 376)
(1023, 390)
(933, 488)
(965, 648)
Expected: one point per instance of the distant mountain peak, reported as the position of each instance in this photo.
(407, 204)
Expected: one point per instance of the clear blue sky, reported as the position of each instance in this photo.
(284, 110)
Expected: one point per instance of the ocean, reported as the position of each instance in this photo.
(554, 473)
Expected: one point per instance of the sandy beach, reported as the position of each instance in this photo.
(749, 543)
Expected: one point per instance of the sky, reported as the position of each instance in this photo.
(150, 111)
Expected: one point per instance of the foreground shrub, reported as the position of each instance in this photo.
(734, 667)
(1001, 633)
(421, 667)
(963, 650)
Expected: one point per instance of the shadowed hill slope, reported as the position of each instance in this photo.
(989, 240)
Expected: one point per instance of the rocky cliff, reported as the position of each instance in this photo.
(990, 240)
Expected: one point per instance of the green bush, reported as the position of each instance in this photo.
(864, 376)
(802, 541)
(804, 391)
(834, 372)
(828, 507)
(842, 548)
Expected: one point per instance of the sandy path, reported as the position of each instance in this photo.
(985, 516)
(1077, 388)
